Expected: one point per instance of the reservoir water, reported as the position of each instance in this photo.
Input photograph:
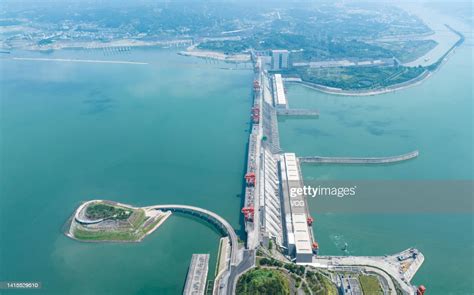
(175, 131)
(435, 118)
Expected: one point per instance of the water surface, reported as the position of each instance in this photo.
(173, 131)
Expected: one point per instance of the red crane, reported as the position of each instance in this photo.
(256, 115)
(315, 247)
(248, 213)
(421, 290)
(256, 85)
(310, 220)
(250, 179)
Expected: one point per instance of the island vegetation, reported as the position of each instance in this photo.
(110, 221)
(102, 210)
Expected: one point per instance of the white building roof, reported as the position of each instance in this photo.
(302, 235)
(291, 166)
(301, 232)
(279, 90)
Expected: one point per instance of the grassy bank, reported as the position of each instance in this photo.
(108, 221)
(370, 285)
(263, 281)
(359, 78)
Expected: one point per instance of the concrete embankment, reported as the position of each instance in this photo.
(297, 112)
(338, 91)
(354, 160)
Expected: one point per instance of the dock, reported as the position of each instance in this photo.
(197, 275)
(355, 160)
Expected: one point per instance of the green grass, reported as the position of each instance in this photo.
(152, 225)
(319, 284)
(102, 210)
(225, 46)
(137, 218)
(219, 253)
(410, 50)
(263, 282)
(359, 78)
(89, 235)
(131, 231)
(370, 285)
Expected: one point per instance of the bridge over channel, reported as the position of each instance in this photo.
(354, 160)
(211, 217)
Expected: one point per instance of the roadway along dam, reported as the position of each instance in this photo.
(210, 216)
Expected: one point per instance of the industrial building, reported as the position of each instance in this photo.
(270, 206)
(298, 234)
(280, 59)
(279, 92)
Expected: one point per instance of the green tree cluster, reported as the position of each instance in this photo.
(263, 282)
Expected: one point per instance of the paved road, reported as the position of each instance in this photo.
(211, 215)
(374, 263)
(247, 262)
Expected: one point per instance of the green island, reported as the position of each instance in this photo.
(102, 210)
(110, 221)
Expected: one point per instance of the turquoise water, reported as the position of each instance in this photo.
(172, 131)
(175, 131)
(435, 118)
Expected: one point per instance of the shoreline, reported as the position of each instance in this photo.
(163, 218)
(75, 220)
(337, 91)
(91, 45)
(429, 71)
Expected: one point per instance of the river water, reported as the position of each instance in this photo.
(175, 131)
(172, 131)
(435, 118)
